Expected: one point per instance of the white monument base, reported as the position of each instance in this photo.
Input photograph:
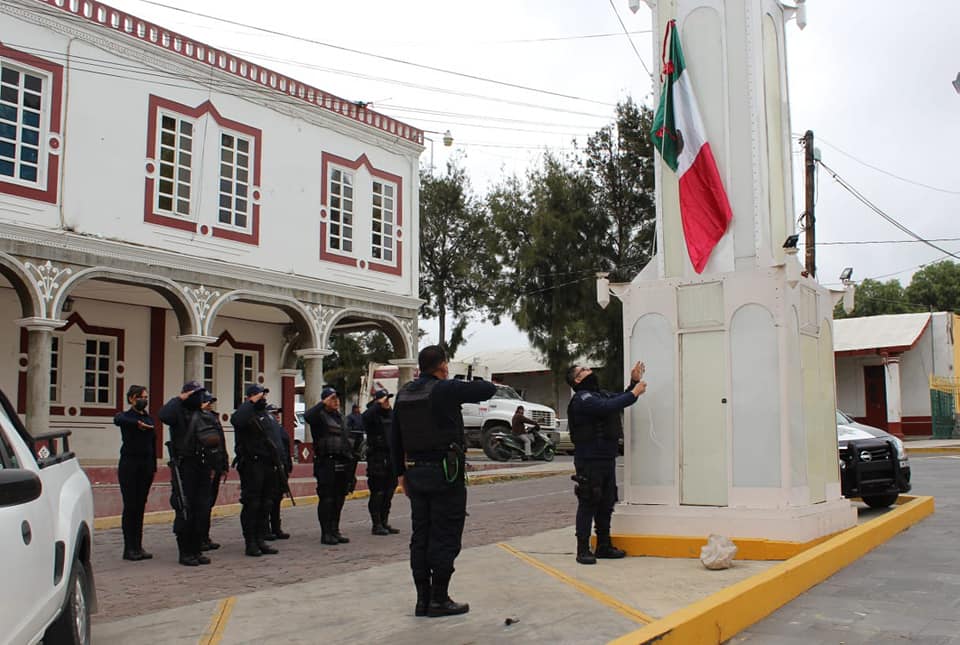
(791, 524)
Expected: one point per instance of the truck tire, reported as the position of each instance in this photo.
(880, 501)
(491, 451)
(72, 626)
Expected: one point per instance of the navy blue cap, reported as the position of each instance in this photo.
(256, 388)
(381, 394)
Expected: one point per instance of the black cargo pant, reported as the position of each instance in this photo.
(135, 475)
(596, 495)
(336, 478)
(195, 478)
(438, 510)
(258, 488)
(214, 493)
(382, 484)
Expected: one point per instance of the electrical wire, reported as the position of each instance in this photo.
(626, 33)
(862, 199)
(886, 172)
(857, 242)
(390, 59)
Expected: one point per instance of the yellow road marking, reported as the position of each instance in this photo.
(596, 594)
(219, 622)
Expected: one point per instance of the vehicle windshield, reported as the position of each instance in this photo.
(842, 417)
(506, 392)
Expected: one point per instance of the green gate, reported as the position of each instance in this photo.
(943, 401)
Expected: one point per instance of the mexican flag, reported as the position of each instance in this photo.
(679, 135)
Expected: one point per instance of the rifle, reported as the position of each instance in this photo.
(284, 480)
(176, 481)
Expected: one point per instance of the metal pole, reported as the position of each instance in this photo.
(809, 220)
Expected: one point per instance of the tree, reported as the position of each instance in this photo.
(937, 286)
(455, 268)
(875, 298)
(620, 162)
(548, 231)
(352, 353)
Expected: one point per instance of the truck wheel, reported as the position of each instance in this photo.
(494, 452)
(73, 624)
(880, 501)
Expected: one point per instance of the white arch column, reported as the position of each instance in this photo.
(193, 348)
(39, 336)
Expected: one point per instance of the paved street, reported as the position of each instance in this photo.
(497, 512)
(905, 591)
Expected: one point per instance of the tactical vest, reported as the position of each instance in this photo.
(330, 439)
(418, 427)
(584, 429)
(377, 439)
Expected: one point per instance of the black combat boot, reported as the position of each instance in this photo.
(422, 583)
(253, 550)
(337, 509)
(266, 549)
(584, 556)
(378, 527)
(440, 602)
(385, 515)
(606, 550)
(325, 517)
(187, 557)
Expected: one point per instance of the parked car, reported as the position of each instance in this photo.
(494, 415)
(46, 537)
(873, 463)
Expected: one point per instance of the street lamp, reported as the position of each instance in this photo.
(447, 142)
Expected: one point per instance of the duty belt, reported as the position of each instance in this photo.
(411, 464)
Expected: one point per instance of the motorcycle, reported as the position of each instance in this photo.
(504, 446)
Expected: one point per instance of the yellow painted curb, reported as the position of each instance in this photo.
(945, 450)
(229, 510)
(683, 546)
(719, 617)
(596, 594)
(218, 623)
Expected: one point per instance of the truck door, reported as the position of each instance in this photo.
(26, 541)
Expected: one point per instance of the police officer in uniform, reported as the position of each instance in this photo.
(255, 464)
(281, 443)
(334, 464)
(220, 463)
(377, 420)
(428, 453)
(179, 413)
(138, 463)
(595, 426)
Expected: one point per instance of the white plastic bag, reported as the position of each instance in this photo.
(718, 552)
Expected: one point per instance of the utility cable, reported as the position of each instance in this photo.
(626, 34)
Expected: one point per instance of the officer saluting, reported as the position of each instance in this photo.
(333, 464)
(428, 454)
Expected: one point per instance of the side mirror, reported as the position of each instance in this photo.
(18, 486)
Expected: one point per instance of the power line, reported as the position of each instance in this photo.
(857, 242)
(888, 173)
(862, 199)
(390, 59)
(626, 33)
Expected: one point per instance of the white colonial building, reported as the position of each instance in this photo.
(170, 211)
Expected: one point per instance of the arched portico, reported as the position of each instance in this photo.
(24, 285)
(401, 332)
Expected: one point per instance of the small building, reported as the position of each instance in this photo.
(885, 365)
(171, 211)
(525, 370)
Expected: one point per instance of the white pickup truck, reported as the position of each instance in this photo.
(480, 419)
(46, 537)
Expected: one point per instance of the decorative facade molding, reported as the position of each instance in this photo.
(201, 299)
(48, 278)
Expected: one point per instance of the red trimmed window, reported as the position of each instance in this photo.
(177, 172)
(361, 224)
(30, 106)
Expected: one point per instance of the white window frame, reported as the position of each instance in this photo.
(56, 373)
(110, 372)
(386, 219)
(41, 127)
(210, 384)
(336, 214)
(230, 186)
(177, 165)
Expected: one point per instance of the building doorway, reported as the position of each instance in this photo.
(875, 390)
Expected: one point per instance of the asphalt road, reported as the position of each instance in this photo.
(904, 591)
(497, 512)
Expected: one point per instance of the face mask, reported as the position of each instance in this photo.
(260, 405)
(589, 382)
(140, 405)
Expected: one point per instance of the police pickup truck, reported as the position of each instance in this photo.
(46, 537)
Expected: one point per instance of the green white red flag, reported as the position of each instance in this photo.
(679, 135)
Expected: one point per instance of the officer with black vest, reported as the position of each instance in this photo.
(593, 416)
(281, 444)
(377, 421)
(334, 464)
(428, 454)
(255, 464)
(180, 413)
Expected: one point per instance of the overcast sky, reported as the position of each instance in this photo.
(871, 78)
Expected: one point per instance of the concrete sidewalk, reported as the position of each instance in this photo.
(532, 580)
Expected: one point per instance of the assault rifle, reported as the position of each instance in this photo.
(277, 464)
(176, 481)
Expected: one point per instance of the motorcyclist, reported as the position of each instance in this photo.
(519, 426)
